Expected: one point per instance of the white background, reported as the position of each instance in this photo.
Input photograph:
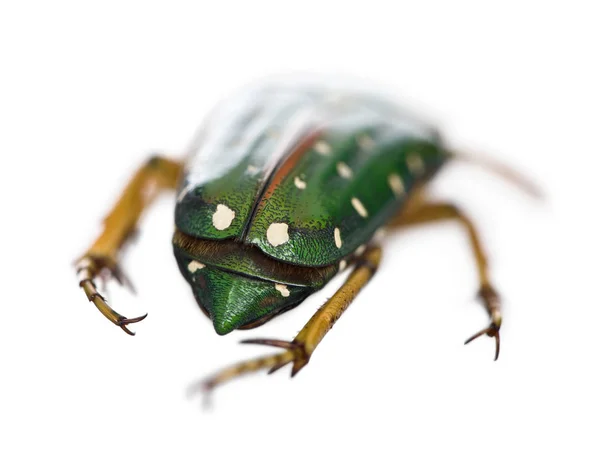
(87, 92)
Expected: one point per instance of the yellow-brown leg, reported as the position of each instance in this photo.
(156, 175)
(299, 350)
(421, 212)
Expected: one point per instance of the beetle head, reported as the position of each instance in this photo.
(236, 301)
(238, 286)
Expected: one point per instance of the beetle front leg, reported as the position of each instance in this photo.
(423, 212)
(88, 268)
(156, 175)
(300, 349)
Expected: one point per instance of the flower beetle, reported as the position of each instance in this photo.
(284, 187)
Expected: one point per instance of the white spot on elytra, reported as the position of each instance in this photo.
(337, 237)
(343, 264)
(344, 170)
(283, 289)
(300, 184)
(322, 147)
(277, 233)
(415, 164)
(223, 217)
(365, 142)
(360, 249)
(194, 266)
(396, 184)
(359, 207)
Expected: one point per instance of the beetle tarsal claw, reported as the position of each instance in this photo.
(491, 300)
(493, 330)
(300, 359)
(88, 269)
(122, 323)
(301, 355)
(271, 342)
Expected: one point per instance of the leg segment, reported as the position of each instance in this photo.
(422, 213)
(299, 350)
(156, 175)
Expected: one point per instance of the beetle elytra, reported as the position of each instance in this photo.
(283, 188)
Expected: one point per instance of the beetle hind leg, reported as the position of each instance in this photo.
(299, 350)
(421, 211)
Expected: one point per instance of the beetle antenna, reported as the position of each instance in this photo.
(502, 170)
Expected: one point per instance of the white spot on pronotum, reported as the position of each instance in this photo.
(365, 142)
(322, 147)
(283, 289)
(344, 170)
(359, 207)
(194, 266)
(277, 233)
(343, 264)
(251, 170)
(396, 184)
(415, 164)
(337, 237)
(223, 217)
(360, 249)
(300, 184)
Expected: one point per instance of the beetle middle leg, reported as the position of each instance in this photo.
(420, 212)
(298, 351)
(157, 174)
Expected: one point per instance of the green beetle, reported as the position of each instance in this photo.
(284, 187)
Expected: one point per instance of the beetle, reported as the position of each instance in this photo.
(284, 187)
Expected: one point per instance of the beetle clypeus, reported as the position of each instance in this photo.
(283, 188)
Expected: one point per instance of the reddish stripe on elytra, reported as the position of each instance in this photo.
(290, 163)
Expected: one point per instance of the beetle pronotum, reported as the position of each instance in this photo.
(283, 188)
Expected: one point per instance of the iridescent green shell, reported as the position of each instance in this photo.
(306, 174)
